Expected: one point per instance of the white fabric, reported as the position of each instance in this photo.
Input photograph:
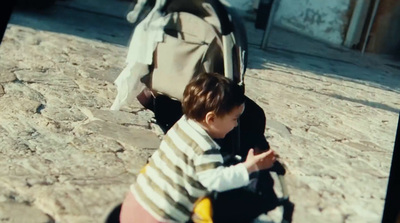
(146, 36)
(134, 14)
(224, 178)
(140, 54)
(128, 84)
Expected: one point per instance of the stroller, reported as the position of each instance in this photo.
(175, 40)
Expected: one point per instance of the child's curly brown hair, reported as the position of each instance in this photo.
(211, 92)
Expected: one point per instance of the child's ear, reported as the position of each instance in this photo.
(210, 117)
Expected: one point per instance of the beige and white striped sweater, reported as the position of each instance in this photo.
(187, 166)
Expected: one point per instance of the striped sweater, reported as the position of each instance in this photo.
(187, 166)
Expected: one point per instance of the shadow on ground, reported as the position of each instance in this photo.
(77, 21)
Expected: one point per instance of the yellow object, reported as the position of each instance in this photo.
(143, 170)
(202, 211)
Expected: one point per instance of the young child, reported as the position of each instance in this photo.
(188, 165)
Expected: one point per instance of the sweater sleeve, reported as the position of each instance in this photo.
(214, 176)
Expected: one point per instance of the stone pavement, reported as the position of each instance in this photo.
(65, 157)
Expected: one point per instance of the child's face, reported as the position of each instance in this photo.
(220, 126)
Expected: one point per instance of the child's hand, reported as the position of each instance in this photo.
(261, 161)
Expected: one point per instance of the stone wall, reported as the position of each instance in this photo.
(323, 20)
(326, 21)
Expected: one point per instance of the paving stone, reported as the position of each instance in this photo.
(12, 212)
(128, 135)
(46, 79)
(118, 117)
(6, 76)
